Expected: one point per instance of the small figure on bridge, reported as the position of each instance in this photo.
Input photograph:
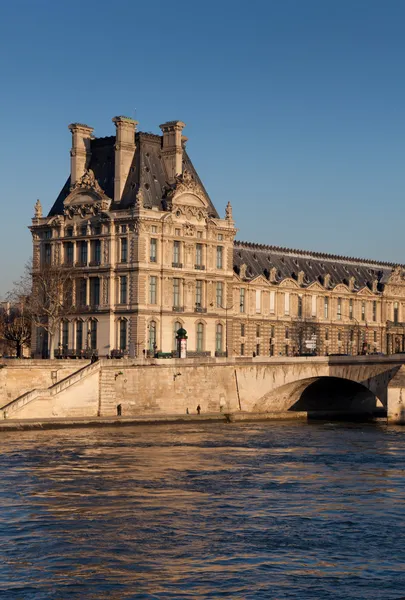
(198, 409)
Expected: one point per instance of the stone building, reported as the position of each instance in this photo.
(150, 255)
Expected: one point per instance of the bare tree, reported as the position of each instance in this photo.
(50, 293)
(15, 326)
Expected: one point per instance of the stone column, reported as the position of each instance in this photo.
(124, 153)
(80, 153)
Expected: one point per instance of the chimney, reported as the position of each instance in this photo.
(124, 152)
(172, 150)
(80, 153)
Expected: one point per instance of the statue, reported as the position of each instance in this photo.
(228, 212)
(139, 199)
(38, 209)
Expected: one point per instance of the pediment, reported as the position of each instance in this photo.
(289, 283)
(261, 280)
(86, 197)
(316, 287)
(341, 287)
(365, 291)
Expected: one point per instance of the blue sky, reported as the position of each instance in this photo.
(294, 109)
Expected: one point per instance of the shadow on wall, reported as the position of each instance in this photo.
(335, 395)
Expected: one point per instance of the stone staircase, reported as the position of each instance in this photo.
(10, 410)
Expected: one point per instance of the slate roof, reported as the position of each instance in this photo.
(147, 172)
(260, 259)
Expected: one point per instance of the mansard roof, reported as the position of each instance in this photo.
(326, 269)
(147, 172)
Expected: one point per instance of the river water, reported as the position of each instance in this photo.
(274, 510)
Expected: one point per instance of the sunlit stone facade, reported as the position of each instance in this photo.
(150, 255)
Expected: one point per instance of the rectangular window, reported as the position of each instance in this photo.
(272, 301)
(375, 310)
(220, 237)
(152, 289)
(48, 254)
(82, 292)
(176, 253)
(396, 312)
(242, 349)
(363, 311)
(299, 307)
(313, 307)
(48, 234)
(220, 251)
(258, 301)
(124, 250)
(96, 252)
(339, 309)
(257, 330)
(257, 349)
(153, 229)
(339, 336)
(94, 291)
(326, 308)
(351, 309)
(199, 234)
(93, 335)
(375, 336)
(287, 303)
(83, 253)
(176, 292)
(65, 334)
(326, 334)
(271, 350)
(287, 333)
(123, 290)
(198, 255)
(83, 230)
(177, 232)
(242, 330)
(79, 335)
(123, 335)
(153, 250)
(198, 293)
(242, 300)
(69, 253)
(219, 293)
(272, 331)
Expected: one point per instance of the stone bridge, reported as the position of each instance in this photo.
(315, 386)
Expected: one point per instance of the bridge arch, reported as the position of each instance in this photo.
(320, 394)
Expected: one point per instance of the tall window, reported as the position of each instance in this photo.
(272, 331)
(152, 289)
(242, 330)
(176, 292)
(82, 292)
(375, 310)
(220, 293)
(79, 335)
(177, 326)
(123, 334)
(123, 290)
(220, 252)
(242, 300)
(47, 254)
(326, 307)
(339, 336)
(176, 253)
(287, 333)
(286, 303)
(396, 311)
(65, 334)
(257, 330)
(198, 255)
(152, 337)
(96, 251)
(94, 291)
(124, 250)
(363, 311)
(299, 308)
(258, 301)
(218, 337)
(351, 308)
(153, 250)
(200, 337)
(83, 253)
(93, 334)
(242, 349)
(198, 293)
(375, 336)
(326, 334)
(339, 309)
(69, 253)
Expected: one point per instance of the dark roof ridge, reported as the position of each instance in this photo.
(317, 255)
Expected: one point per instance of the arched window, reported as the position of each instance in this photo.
(177, 326)
(123, 334)
(200, 337)
(79, 335)
(93, 334)
(218, 337)
(152, 336)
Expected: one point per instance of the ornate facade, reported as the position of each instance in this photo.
(150, 255)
